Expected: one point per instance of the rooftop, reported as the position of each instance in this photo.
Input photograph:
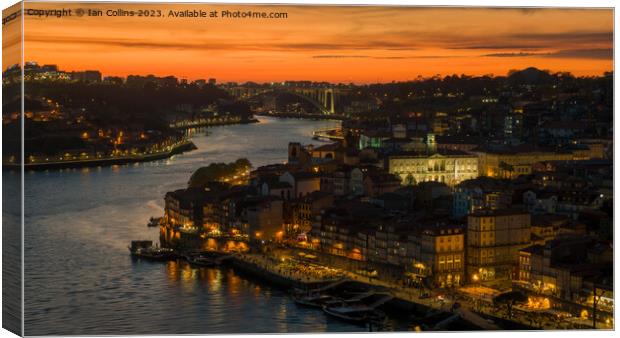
(498, 212)
(425, 154)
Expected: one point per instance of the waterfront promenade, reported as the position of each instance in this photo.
(305, 116)
(283, 273)
(210, 122)
(289, 272)
(485, 315)
(91, 161)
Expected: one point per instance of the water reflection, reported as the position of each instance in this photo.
(81, 280)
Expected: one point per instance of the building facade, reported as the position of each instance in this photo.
(441, 254)
(450, 168)
(494, 238)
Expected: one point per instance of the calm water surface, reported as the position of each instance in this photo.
(80, 278)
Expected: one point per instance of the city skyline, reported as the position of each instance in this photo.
(180, 79)
(352, 44)
(307, 169)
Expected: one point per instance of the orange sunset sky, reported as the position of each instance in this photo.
(323, 43)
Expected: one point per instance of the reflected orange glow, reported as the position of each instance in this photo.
(234, 283)
(214, 280)
(336, 43)
(172, 269)
(210, 244)
(187, 273)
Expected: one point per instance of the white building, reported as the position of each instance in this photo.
(449, 167)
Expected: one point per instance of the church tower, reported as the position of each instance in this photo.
(431, 145)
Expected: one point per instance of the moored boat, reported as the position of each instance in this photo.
(200, 261)
(145, 249)
(317, 300)
(356, 314)
(154, 222)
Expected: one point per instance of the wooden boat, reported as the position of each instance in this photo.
(154, 222)
(140, 244)
(356, 314)
(317, 300)
(201, 261)
(146, 250)
(154, 254)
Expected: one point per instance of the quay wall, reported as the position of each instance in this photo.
(245, 266)
(190, 125)
(181, 148)
(306, 116)
(386, 272)
(395, 305)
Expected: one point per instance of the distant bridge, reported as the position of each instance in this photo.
(324, 99)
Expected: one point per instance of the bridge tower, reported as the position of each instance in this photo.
(323, 98)
(330, 100)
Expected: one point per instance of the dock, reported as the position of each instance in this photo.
(264, 268)
(374, 295)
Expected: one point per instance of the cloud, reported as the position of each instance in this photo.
(590, 37)
(534, 41)
(513, 54)
(598, 53)
(500, 46)
(399, 40)
(215, 45)
(417, 57)
(341, 57)
(383, 57)
(601, 54)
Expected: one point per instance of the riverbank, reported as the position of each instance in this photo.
(210, 123)
(94, 213)
(175, 149)
(281, 273)
(266, 268)
(305, 116)
(402, 305)
(407, 301)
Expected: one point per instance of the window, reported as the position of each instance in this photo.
(457, 262)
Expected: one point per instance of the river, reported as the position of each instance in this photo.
(80, 278)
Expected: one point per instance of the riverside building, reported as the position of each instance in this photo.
(494, 238)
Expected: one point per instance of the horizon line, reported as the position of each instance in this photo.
(417, 78)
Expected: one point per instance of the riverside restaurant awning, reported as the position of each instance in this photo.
(305, 256)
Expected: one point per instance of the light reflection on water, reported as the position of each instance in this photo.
(80, 278)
